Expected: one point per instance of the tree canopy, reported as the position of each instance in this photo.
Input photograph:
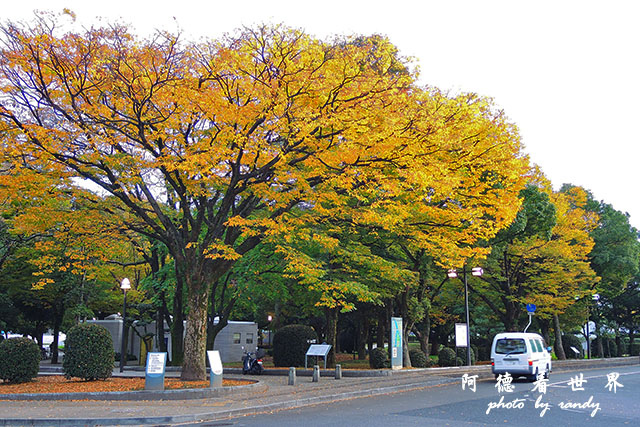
(211, 147)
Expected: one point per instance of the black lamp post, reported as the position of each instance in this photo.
(475, 271)
(125, 285)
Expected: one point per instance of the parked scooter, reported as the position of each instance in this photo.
(252, 363)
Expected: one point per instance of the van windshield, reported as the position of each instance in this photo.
(511, 345)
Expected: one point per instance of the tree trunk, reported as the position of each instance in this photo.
(177, 326)
(332, 326)
(619, 351)
(423, 330)
(544, 328)
(599, 347)
(407, 325)
(406, 360)
(381, 334)
(54, 344)
(558, 343)
(363, 336)
(435, 344)
(160, 343)
(194, 367)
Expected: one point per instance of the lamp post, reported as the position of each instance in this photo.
(475, 271)
(586, 331)
(125, 285)
(269, 319)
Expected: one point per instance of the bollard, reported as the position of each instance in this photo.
(292, 376)
(338, 372)
(316, 373)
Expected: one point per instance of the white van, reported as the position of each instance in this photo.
(520, 354)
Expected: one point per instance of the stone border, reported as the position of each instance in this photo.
(180, 394)
(174, 394)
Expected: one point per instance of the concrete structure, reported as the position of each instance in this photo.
(230, 342)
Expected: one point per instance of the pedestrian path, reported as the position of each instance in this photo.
(272, 394)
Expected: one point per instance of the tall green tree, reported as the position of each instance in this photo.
(615, 258)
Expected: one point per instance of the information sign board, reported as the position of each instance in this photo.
(154, 372)
(461, 334)
(156, 363)
(396, 343)
(318, 350)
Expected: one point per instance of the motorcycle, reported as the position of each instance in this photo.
(252, 363)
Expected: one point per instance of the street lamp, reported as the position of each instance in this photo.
(475, 271)
(586, 330)
(125, 285)
(269, 319)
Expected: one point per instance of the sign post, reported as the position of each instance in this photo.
(154, 374)
(461, 335)
(318, 350)
(531, 308)
(396, 343)
(215, 363)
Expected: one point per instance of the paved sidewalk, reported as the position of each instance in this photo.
(271, 394)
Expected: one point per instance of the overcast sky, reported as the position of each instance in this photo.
(566, 72)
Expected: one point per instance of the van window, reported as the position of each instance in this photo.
(539, 344)
(511, 346)
(532, 342)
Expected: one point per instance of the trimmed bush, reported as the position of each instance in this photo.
(379, 358)
(290, 344)
(20, 360)
(569, 341)
(447, 357)
(88, 352)
(430, 363)
(461, 352)
(418, 358)
(634, 349)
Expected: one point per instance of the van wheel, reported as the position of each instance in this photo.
(533, 377)
(547, 373)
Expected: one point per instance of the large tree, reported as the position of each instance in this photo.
(541, 258)
(209, 148)
(205, 146)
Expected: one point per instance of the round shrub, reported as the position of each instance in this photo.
(418, 358)
(461, 352)
(20, 360)
(88, 352)
(379, 358)
(430, 363)
(290, 344)
(447, 357)
(569, 341)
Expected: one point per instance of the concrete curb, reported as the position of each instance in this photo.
(179, 394)
(451, 375)
(220, 415)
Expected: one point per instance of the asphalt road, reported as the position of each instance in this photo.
(563, 404)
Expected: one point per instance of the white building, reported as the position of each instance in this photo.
(230, 341)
